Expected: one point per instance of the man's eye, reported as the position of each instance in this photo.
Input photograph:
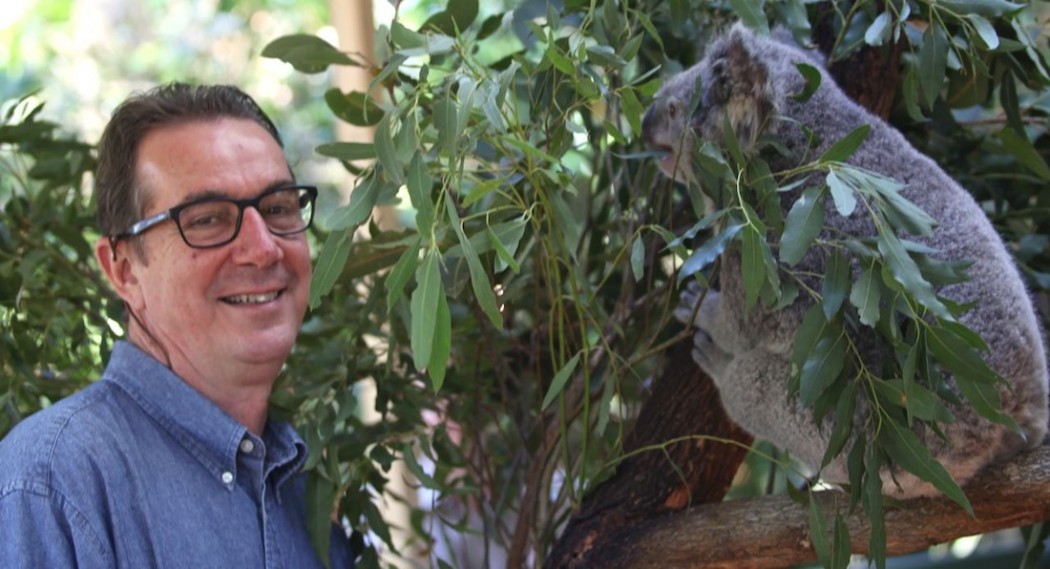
(205, 219)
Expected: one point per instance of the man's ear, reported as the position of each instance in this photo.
(741, 85)
(120, 270)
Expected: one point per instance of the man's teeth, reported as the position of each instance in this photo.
(251, 298)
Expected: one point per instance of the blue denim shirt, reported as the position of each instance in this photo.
(139, 470)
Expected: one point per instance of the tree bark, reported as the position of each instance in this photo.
(773, 531)
(665, 478)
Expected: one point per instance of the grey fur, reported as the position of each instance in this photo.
(750, 78)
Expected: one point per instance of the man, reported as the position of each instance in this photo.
(169, 460)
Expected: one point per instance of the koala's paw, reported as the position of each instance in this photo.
(709, 356)
(686, 311)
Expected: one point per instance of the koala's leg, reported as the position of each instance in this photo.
(753, 389)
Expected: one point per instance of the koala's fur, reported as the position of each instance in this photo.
(749, 79)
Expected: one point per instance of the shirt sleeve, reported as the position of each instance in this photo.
(41, 529)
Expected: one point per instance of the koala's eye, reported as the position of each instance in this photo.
(673, 108)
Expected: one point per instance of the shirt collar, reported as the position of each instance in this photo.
(205, 430)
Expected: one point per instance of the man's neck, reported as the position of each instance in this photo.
(235, 389)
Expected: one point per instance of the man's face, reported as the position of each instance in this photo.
(214, 310)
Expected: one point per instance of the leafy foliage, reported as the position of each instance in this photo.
(509, 329)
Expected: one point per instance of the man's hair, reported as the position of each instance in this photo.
(120, 199)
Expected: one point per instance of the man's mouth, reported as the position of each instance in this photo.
(251, 298)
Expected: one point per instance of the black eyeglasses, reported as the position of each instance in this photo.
(213, 222)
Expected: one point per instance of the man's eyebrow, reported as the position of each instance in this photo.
(208, 194)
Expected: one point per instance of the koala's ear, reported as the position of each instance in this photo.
(741, 85)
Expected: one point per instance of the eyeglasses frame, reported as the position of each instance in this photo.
(143, 225)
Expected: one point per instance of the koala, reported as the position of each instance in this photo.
(747, 83)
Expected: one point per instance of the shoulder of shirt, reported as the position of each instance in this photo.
(65, 438)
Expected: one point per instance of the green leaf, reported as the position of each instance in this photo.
(632, 110)
(446, 122)
(387, 151)
(813, 79)
(836, 284)
(866, 294)
(408, 455)
(306, 53)
(843, 196)
(933, 63)
(804, 222)
(560, 61)
(442, 345)
(402, 273)
(1024, 152)
(320, 497)
(990, 8)
(362, 201)
(873, 508)
(559, 381)
(708, 252)
(424, 307)
(985, 30)
(355, 108)
(479, 280)
(348, 150)
(843, 149)
(906, 273)
(840, 549)
(818, 532)
(879, 30)
(823, 366)
(975, 379)
(459, 15)
(752, 13)
(638, 258)
(843, 424)
(906, 451)
(753, 264)
(505, 238)
(605, 56)
(330, 263)
(814, 326)
(419, 186)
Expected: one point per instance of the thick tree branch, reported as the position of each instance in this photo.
(773, 531)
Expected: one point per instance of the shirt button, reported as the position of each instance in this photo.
(247, 446)
(227, 477)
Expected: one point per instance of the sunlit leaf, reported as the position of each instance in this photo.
(866, 294)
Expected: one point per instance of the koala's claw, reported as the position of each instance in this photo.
(708, 355)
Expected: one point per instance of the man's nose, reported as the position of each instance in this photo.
(255, 243)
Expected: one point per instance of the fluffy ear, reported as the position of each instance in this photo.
(740, 84)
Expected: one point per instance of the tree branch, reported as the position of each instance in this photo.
(773, 531)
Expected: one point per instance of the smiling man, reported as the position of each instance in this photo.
(170, 459)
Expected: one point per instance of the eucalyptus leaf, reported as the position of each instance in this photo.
(560, 379)
(424, 308)
(844, 148)
(709, 251)
(330, 263)
(836, 284)
(419, 185)
(479, 280)
(306, 53)
(823, 366)
(906, 451)
(804, 222)
(866, 295)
